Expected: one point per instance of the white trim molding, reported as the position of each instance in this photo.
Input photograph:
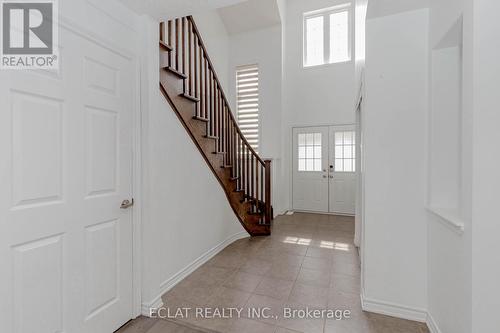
(431, 324)
(393, 310)
(148, 309)
(448, 218)
(171, 282)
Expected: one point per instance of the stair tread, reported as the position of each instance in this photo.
(175, 71)
(255, 213)
(192, 98)
(201, 119)
(165, 46)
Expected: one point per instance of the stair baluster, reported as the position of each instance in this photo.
(183, 54)
(170, 43)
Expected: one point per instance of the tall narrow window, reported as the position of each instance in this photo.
(247, 90)
(327, 36)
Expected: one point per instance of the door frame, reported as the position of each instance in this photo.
(290, 163)
(137, 194)
(136, 161)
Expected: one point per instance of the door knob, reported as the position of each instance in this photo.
(127, 203)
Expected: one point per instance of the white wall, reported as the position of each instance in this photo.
(448, 251)
(361, 7)
(186, 212)
(111, 20)
(216, 41)
(262, 47)
(486, 179)
(394, 241)
(314, 95)
(323, 95)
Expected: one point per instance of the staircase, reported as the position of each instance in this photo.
(189, 83)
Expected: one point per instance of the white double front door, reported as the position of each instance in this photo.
(65, 167)
(324, 169)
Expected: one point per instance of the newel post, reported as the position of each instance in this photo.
(268, 191)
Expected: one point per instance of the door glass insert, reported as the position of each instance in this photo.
(345, 151)
(310, 152)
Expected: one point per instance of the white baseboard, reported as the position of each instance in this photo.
(322, 213)
(179, 276)
(147, 309)
(431, 323)
(393, 310)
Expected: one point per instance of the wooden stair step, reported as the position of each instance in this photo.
(165, 46)
(254, 213)
(201, 119)
(211, 137)
(254, 201)
(191, 98)
(175, 71)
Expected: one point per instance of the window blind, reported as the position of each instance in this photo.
(247, 88)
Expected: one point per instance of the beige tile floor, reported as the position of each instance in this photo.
(310, 261)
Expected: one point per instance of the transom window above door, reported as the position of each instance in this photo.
(327, 36)
(310, 154)
(345, 151)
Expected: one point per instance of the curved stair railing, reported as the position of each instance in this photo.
(190, 84)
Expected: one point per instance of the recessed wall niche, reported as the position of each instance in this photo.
(445, 125)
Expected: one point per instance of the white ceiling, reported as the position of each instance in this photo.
(378, 8)
(164, 9)
(250, 15)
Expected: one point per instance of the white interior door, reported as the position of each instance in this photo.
(342, 170)
(65, 167)
(310, 173)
